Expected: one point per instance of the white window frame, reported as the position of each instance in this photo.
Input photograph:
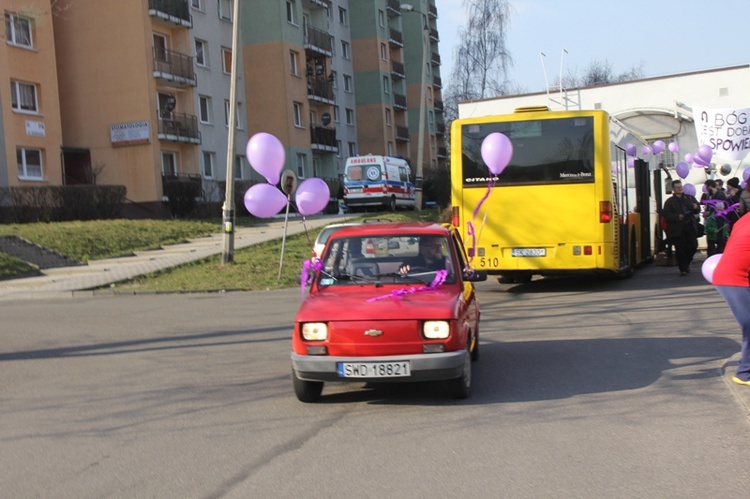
(197, 4)
(301, 165)
(345, 50)
(386, 84)
(294, 62)
(201, 60)
(336, 114)
(208, 161)
(350, 116)
(388, 117)
(238, 113)
(238, 167)
(24, 172)
(297, 114)
(226, 62)
(226, 8)
(291, 13)
(381, 18)
(16, 97)
(205, 116)
(390, 148)
(343, 17)
(169, 154)
(348, 83)
(334, 79)
(352, 148)
(338, 148)
(12, 23)
(383, 52)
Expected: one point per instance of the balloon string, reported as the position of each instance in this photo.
(470, 225)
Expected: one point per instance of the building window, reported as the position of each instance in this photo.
(208, 164)
(237, 112)
(334, 78)
(381, 18)
(197, 4)
(169, 164)
(345, 49)
(297, 109)
(301, 165)
(291, 16)
(23, 97)
(352, 149)
(350, 116)
(386, 85)
(225, 9)
(226, 60)
(204, 104)
(294, 62)
(238, 167)
(343, 16)
(338, 148)
(316, 167)
(336, 114)
(201, 53)
(388, 117)
(347, 83)
(29, 163)
(390, 148)
(18, 30)
(383, 52)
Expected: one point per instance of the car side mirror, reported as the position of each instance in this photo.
(472, 275)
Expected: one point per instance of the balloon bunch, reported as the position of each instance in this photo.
(266, 155)
(497, 151)
(656, 148)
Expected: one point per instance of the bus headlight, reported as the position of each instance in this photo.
(314, 331)
(436, 330)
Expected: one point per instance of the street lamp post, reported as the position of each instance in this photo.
(418, 175)
(228, 208)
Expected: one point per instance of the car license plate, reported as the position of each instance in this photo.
(355, 189)
(528, 252)
(374, 369)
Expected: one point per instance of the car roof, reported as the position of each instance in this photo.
(392, 229)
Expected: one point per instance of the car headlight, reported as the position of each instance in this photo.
(314, 331)
(435, 330)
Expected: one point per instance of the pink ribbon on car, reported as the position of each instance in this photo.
(309, 267)
(440, 277)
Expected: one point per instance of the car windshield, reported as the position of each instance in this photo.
(386, 259)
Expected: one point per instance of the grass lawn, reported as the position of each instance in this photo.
(254, 268)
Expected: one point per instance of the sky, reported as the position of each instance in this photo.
(662, 37)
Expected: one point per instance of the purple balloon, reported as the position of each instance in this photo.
(312, 196)
(705, 152)
(264, 200)
(700, 161)
(497, 150)
(674, 147)
(689, 189)
(708, 267)
(746, 174)
(645, 150)
(657, 146)
(630, 149)
(266, 155)
(630, 162)
(689, 158)
(682, 169)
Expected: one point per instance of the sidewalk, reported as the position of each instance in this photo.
(80, 280)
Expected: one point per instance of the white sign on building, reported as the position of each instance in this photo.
(35, 129)
(125, 134)
(726, 131)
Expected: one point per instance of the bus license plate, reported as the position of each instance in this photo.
(529, 252)
(373, 369)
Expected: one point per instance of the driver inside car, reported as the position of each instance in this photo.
(430, 256)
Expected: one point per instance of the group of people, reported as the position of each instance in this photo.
(727, 234)
(681, 213)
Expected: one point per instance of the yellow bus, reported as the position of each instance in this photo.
(571, 200)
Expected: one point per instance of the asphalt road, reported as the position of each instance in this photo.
(585, 388)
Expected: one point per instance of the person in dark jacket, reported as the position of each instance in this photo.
(679, 211)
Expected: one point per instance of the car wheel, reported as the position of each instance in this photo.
(460, 388)
(392, 204)
(306, 391)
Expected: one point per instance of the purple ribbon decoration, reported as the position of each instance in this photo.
(470, 225)
(722, 213)
(440, 277)
(308, 266)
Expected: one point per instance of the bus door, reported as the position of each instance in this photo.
(621, 209)
(643, 207)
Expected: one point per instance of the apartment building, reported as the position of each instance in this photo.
(136, 93)
(30, 129)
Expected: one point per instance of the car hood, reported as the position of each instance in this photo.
(353, 304)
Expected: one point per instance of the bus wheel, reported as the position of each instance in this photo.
(392, 204)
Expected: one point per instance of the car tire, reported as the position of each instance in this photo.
(392, 204)
(460, 388)
(306, 391)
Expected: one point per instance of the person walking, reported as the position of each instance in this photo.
(731, 277)
(716, 226)
(744, 200)
(682, 228)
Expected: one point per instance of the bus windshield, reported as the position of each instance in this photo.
(544, 152)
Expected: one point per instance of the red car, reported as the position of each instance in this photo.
(389, 302)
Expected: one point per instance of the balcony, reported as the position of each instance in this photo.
(397, 70)
(317, 4)
(435, 59)
(402, 134)
(395, 37)
(442, 153)
(399, 102)
(438, 105)
(178, 127)
(393, 7)
(174, 67)
(434, 35)
(437, 82)
(320, 89)
(440, 129)
(171, 12)
(323, 139)
(318, 41)
(432, 11)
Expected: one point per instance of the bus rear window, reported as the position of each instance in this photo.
(559, 150)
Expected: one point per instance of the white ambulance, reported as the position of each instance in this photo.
(378, 182)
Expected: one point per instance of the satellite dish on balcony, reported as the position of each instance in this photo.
(170, 103)
(325, 118)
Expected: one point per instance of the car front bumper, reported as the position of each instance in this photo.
(424, 367)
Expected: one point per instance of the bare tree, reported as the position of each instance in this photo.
(600, 72)
(482, 57)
